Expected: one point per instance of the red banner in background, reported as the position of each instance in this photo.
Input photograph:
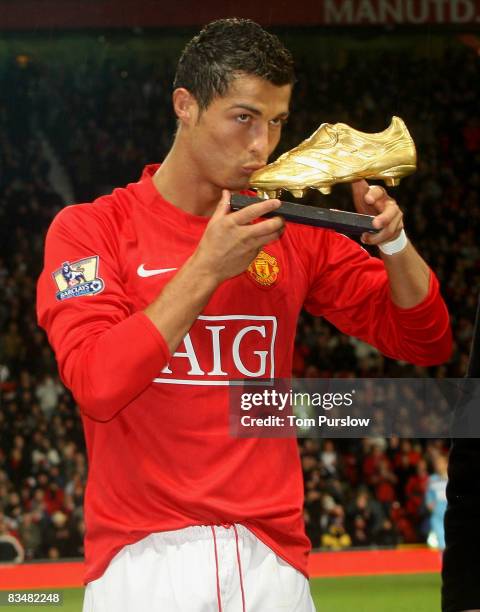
(401, 12)
(76, 14)
(325, 564)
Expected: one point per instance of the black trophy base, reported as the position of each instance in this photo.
(339, 220)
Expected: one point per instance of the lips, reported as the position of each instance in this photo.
(253, 168)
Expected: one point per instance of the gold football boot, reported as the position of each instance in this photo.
(339, 154)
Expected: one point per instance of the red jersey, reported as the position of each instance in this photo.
(156, 425)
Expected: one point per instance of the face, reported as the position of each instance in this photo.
(441, 465)
(236, 134)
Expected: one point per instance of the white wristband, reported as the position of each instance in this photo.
(394, 246)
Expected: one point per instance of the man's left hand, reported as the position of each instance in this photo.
(374, 200)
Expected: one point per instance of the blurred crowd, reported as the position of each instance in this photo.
(375, 492)
(105, 121)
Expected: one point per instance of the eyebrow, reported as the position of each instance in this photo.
(254, 110)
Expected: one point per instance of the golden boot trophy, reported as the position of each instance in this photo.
(335, 154)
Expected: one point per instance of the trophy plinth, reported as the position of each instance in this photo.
(341, 221)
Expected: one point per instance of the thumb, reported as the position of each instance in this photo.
(359, 191)
(223, 206)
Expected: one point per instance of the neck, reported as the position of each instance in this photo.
(181, 184)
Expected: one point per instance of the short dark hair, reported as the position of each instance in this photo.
(226, 48)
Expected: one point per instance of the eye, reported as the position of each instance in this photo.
(243, 118)
(278, 122)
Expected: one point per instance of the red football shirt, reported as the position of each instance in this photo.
(156, 426)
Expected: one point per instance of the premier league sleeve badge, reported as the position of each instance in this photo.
(78, 278)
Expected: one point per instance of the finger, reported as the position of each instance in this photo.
(374, 194)
(223, 206)
(389, 232)
(360, 189)
(375, 240)
(385, 235)
(391, 214)
(393, 226)
(263, 228)
(269, 238)
(254, 211)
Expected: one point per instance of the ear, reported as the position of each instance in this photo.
(185, 106)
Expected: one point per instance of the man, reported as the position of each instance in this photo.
(436, 502)
(179, 515)
(461, 564)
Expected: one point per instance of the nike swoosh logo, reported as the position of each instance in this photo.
(146, 273)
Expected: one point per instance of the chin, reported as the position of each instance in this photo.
(238, 185)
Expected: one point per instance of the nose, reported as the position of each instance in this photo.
(260, 146)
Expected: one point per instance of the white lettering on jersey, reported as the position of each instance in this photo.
(261, 354)
(234, 349)
(189, 353)
(217, 355)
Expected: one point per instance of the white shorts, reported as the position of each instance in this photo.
(199, 569)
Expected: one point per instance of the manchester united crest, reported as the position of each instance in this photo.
(264, 269)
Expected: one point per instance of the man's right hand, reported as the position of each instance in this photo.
(232, 241)
(229, 244)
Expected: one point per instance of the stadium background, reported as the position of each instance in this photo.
(85, 103)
